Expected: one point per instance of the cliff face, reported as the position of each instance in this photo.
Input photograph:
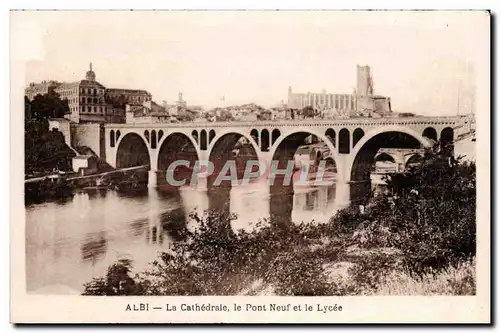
(45, 150)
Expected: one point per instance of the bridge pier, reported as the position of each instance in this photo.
(267, 157)
(152, 178)
(342, 186)
(153, 168)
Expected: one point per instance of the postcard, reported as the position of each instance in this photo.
(250, 166)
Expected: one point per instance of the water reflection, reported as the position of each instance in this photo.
(281, 202)
(94, 247)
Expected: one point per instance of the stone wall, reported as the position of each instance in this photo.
(89, 135)
(63, 126)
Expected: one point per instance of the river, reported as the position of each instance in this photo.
(69, 243)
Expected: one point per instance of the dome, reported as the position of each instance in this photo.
(90, 76)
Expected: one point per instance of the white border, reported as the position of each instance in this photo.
(187, 4)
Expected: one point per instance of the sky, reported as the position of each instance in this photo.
(425, 61)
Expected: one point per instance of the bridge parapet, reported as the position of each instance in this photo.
(452, 121)
(401, 150)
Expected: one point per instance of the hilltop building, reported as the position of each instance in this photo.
(42, 88)
(362, 102)
(89, 100)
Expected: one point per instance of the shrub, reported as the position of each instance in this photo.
(117, 282)
(453, 280)
(213, 260)
(430, 214)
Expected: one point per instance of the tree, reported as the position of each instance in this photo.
(308, 112)
(225, 115)
(429, 213)
(47, 106)
(117, 101)
(407, 114)
(117, 282)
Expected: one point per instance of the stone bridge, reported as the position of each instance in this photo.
(353, 143)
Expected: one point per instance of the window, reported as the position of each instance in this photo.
(88, 109)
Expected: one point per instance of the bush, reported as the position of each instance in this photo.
(213, 260)
(453, 280)
(45, 150)
(117, 282)
(430, 214)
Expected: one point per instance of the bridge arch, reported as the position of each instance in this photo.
(203, 140)
(211, 136)
(132, 150)
(112, 139)
(431, 133)
(178, 146)
(265, 143)
(446, 139)
(366, 150)
(236, 132)
(153, 139)
(330, 134)
(413, 159)
(284, 149)
(176, 138)
(357, 135)
(228, 145)
(254, 134)
(384, 157)
(194, 134)
(276, 133)
(295, 139)
(344, 141)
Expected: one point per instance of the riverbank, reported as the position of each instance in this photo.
(377, 272)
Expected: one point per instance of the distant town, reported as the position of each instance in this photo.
(89, 101)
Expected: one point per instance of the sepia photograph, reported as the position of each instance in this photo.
(250, 154)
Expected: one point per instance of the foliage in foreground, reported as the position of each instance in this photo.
(427, 219)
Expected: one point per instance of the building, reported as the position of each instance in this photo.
(42, 88)
(118, 98)
(115, 114)
(362, 102)
(128, 96)
(149, 112)
(90, 101)
(181, 102)
(86, 98)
